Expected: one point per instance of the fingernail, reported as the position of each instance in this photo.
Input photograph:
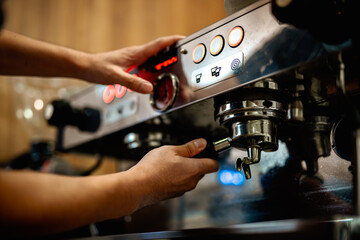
(146, 87)
(200, 143)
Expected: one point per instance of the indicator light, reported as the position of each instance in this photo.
(109, 94)
(166, 63)
(216, 45)
(199, 53)
(114, 91)
(119, 91)
(236, 36)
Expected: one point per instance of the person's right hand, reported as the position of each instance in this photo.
(50, 60)
(169, 171)
(110, 67)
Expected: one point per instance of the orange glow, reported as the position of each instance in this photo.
(239, 38)
(131, 68)
(114, 91)
(119, 91)
(166, 63)
(109, 94)
(198, 59)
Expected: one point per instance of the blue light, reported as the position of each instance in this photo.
(229, 177)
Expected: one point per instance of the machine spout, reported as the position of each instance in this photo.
(244, 164)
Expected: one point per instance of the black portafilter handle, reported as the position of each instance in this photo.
(60, 113)
(212, 149)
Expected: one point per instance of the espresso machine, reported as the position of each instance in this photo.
(275, 90)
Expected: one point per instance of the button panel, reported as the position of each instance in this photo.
(217, 43)
(121, 109)
(222, 68)
(218, 71)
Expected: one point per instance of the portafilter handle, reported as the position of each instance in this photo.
(212, 149)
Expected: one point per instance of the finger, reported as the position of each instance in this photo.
(200, 177)
(138, 84)
(153, 47)
(135, 83)
(207, 165)
(191, 148)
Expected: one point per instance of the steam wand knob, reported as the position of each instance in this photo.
(60, 113)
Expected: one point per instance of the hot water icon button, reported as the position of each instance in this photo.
(215, 71)
(236, 64)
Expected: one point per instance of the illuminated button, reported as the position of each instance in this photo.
(236, 36)
(216, 45)
(199, 53)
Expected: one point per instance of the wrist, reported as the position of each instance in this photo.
(81, 63)
(125, 194)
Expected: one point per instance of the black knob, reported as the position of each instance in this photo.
(60, 113)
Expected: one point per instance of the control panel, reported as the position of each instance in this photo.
(235, 51)
(207, 58)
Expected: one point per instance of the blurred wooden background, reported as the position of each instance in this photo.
(87, 25)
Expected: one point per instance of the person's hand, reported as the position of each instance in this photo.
(50, 60)
(110, 67)
(169, 171)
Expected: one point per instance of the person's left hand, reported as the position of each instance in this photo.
(110, 67)
(168, 171)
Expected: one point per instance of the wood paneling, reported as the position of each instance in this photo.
(92, 26)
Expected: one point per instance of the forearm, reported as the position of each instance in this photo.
(20, 55)
(40, 203)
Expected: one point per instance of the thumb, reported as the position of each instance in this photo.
(191, 148)
(153, 47)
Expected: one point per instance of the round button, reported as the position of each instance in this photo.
(216, 45)
(236, 36)
(166, 88)
(199, 53)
